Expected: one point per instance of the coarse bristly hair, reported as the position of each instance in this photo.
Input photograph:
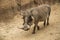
(40, 13)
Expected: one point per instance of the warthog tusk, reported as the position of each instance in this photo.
(21, 28)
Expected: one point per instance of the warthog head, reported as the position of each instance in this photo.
(27, 21)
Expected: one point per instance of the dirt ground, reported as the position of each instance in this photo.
(10, 30)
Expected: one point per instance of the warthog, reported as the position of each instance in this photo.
(40, 13)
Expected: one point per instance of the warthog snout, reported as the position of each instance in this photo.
(26, 27)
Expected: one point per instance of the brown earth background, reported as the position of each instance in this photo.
(11, 21)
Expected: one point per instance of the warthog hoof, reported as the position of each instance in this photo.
(33, 32)
(47, 23)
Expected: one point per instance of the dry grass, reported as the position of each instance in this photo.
(10, 30)
(10, 22)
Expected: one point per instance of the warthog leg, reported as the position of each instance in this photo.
(34, 29)
(48, 21)
(44, 22)
(36, 25)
